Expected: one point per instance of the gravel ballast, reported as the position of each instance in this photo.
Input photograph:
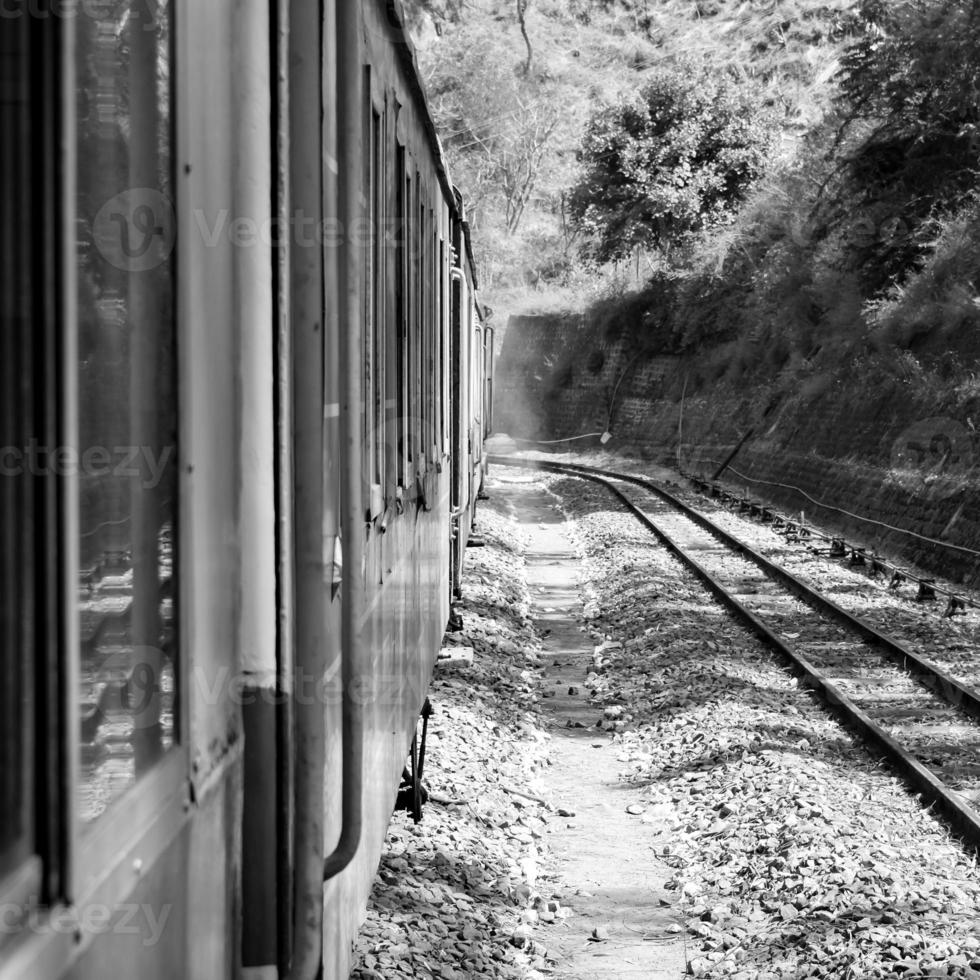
(796, 853)
(789, 850)
(457, 895)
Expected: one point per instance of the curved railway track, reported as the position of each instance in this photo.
(925, 722)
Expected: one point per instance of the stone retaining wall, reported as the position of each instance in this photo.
(878, 454)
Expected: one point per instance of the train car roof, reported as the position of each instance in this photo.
(410, 65)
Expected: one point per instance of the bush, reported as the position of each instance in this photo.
(668, 163)
(941, 297)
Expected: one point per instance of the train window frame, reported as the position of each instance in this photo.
(443, 346)
(380, 295)
(434, 339)
(139, 824)
(392, 300)
(418, 275)
(30, 625)
(408, 329)
(401, 299)
(425, 290)
(369, 180)
(70, 865)
(428, 365)
(413, 329)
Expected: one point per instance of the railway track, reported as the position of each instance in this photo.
(925, 722)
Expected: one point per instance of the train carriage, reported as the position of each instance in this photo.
(244, 397)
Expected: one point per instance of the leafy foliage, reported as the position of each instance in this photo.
(487, 102)
(860, 250)
(938, 300)
(856, 242)
(909, 142)
(914, 75)
(500, 131)
(670, 162)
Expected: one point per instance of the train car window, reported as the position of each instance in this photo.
(393, 303)
(16, 503)
(425, 291)
(434, 336)
(368, 335)
(441, 356)
(418, 249)
(430, 404)
(401, 310)
(413, 328)
(378, 319)
(126, 411)
(406, 333)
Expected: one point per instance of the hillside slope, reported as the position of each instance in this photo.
(512, 127)
(837, 316)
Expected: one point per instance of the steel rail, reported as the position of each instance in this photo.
(961, 817)
(935, 678)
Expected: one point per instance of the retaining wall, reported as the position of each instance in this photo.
(879, 453)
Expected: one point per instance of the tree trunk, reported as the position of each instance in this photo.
(521, 10)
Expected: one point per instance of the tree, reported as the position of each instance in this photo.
(907, 150)
(502, 138)
(910, 86)
(670, 162)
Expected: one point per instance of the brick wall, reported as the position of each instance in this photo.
(877, 454)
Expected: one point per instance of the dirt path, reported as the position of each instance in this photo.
(612, 881)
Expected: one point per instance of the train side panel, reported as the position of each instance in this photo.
(226, 561)
(406, 471)
(168, 851)
(214, 842)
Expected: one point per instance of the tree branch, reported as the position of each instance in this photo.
(521, 11)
